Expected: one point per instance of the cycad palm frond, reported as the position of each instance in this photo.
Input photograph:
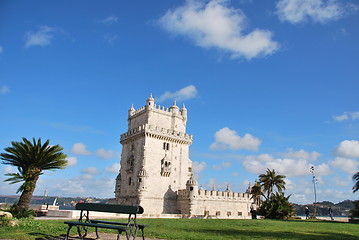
(31, 158)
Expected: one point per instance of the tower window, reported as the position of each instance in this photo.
(166, 146)
(129, 181)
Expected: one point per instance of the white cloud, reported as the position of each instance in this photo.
(216, 25)
(90, 171)
(222, 165)
(114, 168)
(322, 170)
(110, 38)
(301, 154)
(110, 20)
(180, 95)
(71, 161)
(285, 166)
(346, 116)
(78, 187)
(80, 149)
(226, 138)
(42, 37)
(4, 90)
(197, 168)
(105, 154)
(345, 164)
(348, 148)
(322, 11)
(9, 169)
(338, 181)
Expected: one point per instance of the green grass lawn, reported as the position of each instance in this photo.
(187, 229)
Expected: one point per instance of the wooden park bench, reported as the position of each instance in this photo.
(130, 227)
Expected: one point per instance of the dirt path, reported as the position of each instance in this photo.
(103, 236)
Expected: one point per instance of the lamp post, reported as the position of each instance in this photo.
(314, 180)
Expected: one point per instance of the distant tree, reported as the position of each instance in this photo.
(271, 180)
(356, 182)
(277, 206)
(31, 158)
(354, 212)
(257, 193)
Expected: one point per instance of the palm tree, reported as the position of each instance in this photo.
(269, 180)
(356, 184)
(31, 159)
(257, 193)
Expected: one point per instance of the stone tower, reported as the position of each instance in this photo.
(154, 163)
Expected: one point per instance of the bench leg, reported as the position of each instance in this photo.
(79, 232)
(97, 236)
(68, 232)
(127, 236)
(143, 234)
(119, 235)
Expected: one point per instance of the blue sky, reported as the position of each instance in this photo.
(267, 84)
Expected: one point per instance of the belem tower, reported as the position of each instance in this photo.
(156, 171)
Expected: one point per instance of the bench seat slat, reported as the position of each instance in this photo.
(113, 208)
(96, 225)
(141, 226)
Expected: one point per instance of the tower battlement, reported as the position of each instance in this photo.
(155, 131)
(156, 108)
(213, 195)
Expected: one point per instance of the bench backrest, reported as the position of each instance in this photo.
(113, 208)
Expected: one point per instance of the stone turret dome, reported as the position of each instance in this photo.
(174, 105)
(150, 98)
(191, 181)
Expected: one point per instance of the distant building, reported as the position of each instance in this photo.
(156, 171)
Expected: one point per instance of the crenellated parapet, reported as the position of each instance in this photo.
(157, 132)
(214, 195)
(159, 109)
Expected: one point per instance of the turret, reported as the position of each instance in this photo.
(174, 109)
(249, 189)
(192, 186)
(184, 113)
(150, 102)
(141, 176)
(118, 184)
(131, 111)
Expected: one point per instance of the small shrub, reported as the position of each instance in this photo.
(354, 213)
(4, 221)
(18, 212)
(277, 206)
